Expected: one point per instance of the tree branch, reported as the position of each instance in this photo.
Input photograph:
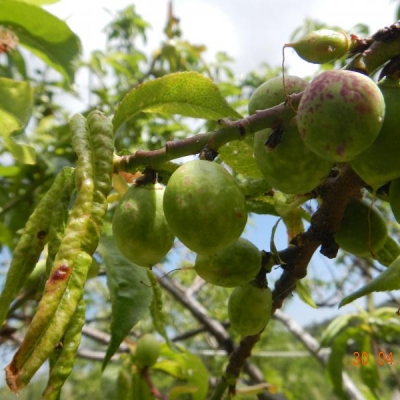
(335, 194)
(199, 312)
(229, 131)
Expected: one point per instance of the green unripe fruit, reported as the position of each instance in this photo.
(363, 229)
(147, 351)
(249, 309)
(380, 162)
(140, 229)
(340, 114)
(233, 266)
(204, 206)
(394, 198)
(291, 166)
(321, 46)
(271, 93)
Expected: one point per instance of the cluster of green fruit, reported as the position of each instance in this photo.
(343, 117)
(205, 209)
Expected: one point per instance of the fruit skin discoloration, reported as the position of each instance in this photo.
(340, 114)
(285, 163)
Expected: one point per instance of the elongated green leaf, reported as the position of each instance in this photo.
(185, 93)
(63, 360)
(130, 292)
(30, 245)
(305, 294)
(156, 307)
(335, 365)
(369, 370)
(387, 280)
(45, 35)
(274, 250)
(58, 304)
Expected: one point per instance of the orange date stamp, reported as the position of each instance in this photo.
(382, 358)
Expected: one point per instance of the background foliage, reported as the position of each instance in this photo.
(34, 147)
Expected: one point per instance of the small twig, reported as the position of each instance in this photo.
(102, 337)
(229, 131)
(153, 390)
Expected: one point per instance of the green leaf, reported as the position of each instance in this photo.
(245, 391)
(304, 294)
(389, 252)
(156, 307)
(170, 367)
(387, 280)
(238, 154)
(264, 205)
(185, 367)
(40, 2)
(130, 292)
(186, 93)
(21, 152)
(369, 370)
(337, 326)
(253, 187)
(16, 102)
(10, 170)
(140, 388)
(273, 248)
(6, 236)
(335, 365)
(196, 375)
(43, 34)
(177, 391)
